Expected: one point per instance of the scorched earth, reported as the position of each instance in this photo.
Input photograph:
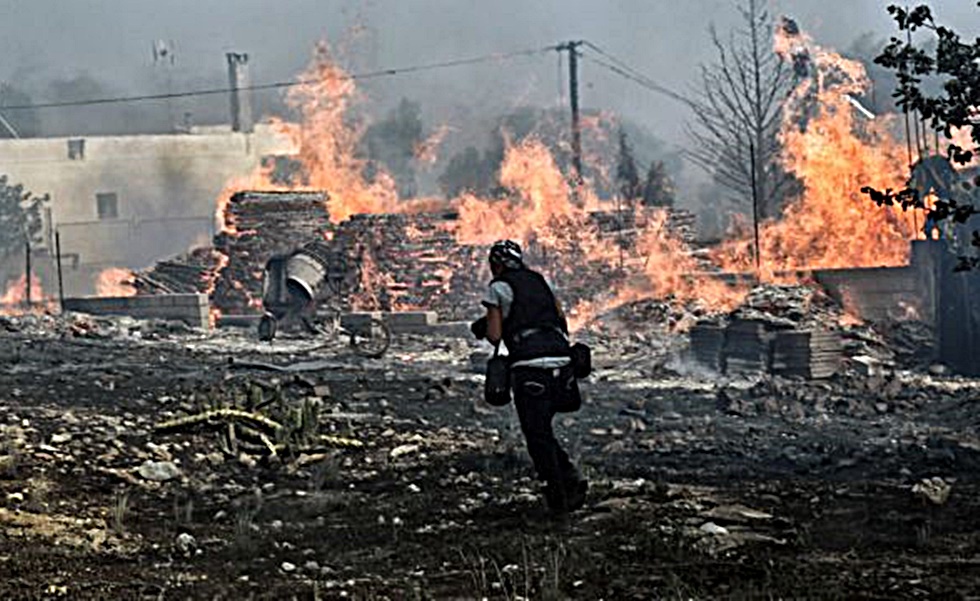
(385, 479)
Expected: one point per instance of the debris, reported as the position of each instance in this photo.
(935, 490)
(735, 514)
(159, 471)
(713, 528)
(402, 450)
(186, 544)
(867, 365)
(219, 415)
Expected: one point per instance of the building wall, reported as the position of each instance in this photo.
(165, 186)
(889, 293)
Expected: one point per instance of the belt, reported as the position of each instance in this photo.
(523, 334)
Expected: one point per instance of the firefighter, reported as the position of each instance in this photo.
(524, 314)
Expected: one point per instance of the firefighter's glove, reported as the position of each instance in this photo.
(479, 328)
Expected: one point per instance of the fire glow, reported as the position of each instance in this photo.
(14, 299)
(115, 282)
(833, 151)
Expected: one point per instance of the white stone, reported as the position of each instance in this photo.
(159, 471)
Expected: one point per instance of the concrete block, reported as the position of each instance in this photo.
(176, 307)
(401, 319)
(452, 329)
(411, 322)
(358, 321)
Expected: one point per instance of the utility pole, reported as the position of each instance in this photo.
(572, 49)
(61, 280)
(755, 215)
(27, 270)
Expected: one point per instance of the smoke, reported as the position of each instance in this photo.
(61, 51)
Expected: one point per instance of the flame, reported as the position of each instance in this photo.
(426, 152)
(115, 281)
(14, 299)
(850, 310)
(222, 261)
(542, 214)
(327, 141)
(826, 143)
(831, 224)
(541, 200)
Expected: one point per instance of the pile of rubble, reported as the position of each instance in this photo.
(393, 261)
(263, 224)
(783, 330)
(192, 272)
(265, 418)
(411, 261)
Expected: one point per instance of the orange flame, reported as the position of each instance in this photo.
(15, 297)
(327, 141)
(825, 145)
(426, 152)
(115, 281)
(832, 224)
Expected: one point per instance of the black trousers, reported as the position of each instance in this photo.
(538, 395)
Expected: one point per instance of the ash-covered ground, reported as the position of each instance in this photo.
(860, 486)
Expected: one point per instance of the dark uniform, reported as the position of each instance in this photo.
(542, 380)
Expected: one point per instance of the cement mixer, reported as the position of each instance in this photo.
(294, 288)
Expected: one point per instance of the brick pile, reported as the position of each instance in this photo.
(393, 261)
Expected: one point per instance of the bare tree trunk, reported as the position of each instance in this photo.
(739, 101)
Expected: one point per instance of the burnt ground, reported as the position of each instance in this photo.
(701, 488)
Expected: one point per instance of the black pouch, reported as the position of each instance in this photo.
(581, 360)
(567, 397)
(496, 389)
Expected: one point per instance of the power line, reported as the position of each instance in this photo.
(286, 84)
(623, 69)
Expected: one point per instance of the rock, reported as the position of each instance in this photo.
(60, 438)
(311, 566)
(287, 567)
(736, 514)
(713, 528)
(7, 465)
(402, 450)
(935, 490)
(159, 471)
(185, 543)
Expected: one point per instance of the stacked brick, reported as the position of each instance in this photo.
(393, 261)
(411, 261)
(260, 225)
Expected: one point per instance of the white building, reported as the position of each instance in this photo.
(129, 201)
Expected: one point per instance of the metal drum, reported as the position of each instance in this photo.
(305, 274)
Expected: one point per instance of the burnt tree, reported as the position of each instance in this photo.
(737, 105)
(627, 175)
(658, 191)
(20, 217)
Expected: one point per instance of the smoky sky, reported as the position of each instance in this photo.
(44, 42)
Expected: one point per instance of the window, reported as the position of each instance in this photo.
(76, 149)
(107, 204)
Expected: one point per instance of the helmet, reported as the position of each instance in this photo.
(507, 253)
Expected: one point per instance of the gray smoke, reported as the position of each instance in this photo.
(56, 50)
